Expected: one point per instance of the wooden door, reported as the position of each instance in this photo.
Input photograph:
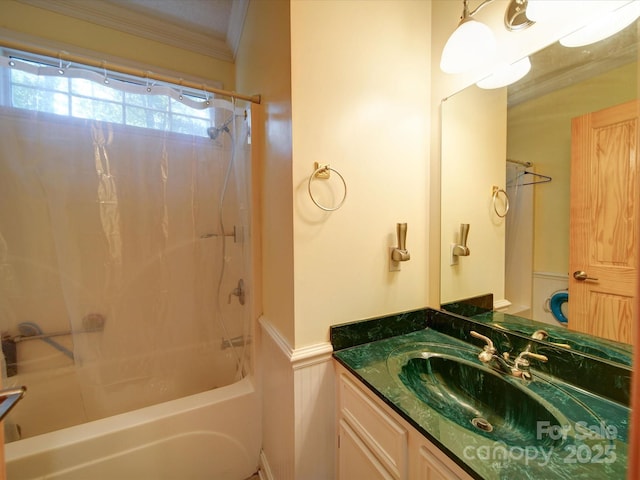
(603, 241)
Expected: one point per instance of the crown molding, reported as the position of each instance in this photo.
(236, 24)
(64, 48)
(135, 23)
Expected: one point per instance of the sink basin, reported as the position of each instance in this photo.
(480, 399)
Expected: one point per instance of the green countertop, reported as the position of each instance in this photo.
(600, 452)
(598, 347)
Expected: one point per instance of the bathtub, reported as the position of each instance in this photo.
(210, 435)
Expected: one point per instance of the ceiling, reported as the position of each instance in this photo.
(214, 27)
(557, 67)
(208, 27)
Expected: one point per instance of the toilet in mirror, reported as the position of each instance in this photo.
(546, 172)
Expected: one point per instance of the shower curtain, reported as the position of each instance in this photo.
(113, 232)
(519, 241)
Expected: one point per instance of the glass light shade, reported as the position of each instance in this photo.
(604, 26)
(506, 75)
(540, 10)
(468, 46)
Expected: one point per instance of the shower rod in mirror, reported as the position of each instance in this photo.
(542, 179)
(527, 164)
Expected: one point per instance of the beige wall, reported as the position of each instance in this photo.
(263, 65)
(360, 101)
(47, 29)
(540, 132)
(474, 145)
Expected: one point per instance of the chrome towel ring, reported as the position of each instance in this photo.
(323, 172)
(496, 192)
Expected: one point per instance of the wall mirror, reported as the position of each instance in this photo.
(517, 141)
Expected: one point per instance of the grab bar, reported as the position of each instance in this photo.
(94, 322)
(24, 338)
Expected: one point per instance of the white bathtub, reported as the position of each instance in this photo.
(211, 435)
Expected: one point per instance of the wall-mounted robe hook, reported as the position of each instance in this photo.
(460, 249)
(399, 253)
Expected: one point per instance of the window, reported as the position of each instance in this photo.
(127, 101)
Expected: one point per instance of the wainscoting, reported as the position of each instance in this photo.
(298, 408)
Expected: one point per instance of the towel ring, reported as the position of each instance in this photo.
(322, 171)
(497, 191)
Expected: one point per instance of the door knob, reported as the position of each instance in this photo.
(582, 276)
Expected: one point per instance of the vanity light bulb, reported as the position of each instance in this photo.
(471, 44)
(540, 10)
(506, 75)
(604, 26)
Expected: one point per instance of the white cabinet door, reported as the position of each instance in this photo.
(355, 460)
(376, 443)
(431, 464)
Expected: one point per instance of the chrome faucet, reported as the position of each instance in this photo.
(522, 361)
(517, 368)
(489, 351)
(543, 335)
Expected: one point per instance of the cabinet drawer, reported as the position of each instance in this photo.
(384, 436)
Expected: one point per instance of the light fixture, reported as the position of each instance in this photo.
(516, 16)
(604, 26)
(471, 44)
(540, 10)
(506, 75)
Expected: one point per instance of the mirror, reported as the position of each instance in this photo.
(522, 258)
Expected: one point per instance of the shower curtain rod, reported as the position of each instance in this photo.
(67, 57)
(520, 162)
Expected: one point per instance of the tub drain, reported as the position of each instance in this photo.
(482, 424)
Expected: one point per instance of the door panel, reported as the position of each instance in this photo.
(604, 222)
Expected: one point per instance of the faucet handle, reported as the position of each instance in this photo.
(489, 344)
(540, 335)
(521, 361)
(537, 356)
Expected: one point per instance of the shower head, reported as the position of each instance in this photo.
(214, 132)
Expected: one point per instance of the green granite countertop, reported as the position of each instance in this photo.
(600, 451)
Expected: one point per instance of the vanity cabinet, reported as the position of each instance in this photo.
(375, 442)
